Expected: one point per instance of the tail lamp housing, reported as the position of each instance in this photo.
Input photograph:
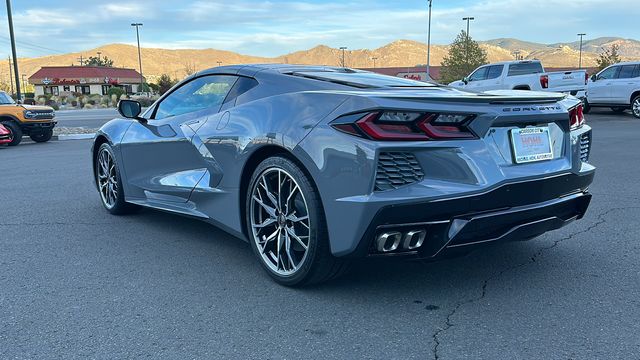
(544, 81)
(406, 126)
(576, 117)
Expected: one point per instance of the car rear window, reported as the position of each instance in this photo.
(525, 69)
(362, 79)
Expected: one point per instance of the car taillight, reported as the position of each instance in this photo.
(544, 81)
(586, 78)
(576, 117)
(406, 126)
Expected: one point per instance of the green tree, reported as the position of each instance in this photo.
(464, 56)
(165, 82)
(98, 61)
(608, 57)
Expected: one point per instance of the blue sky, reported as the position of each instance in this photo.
(270, 28)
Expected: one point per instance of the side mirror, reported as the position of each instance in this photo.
(594, 77)
(131, 109)
(465, 80)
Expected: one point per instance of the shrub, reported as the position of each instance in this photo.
(115, 91)
(74, 103)
(88, 106)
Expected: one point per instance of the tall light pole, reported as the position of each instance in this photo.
(468, 20)
(100, 53)
(24, 82)
(343, 48)
(429, 43)
(137, 26)
(13, 51)
(374, 61)
(219, 63)
(580, 61)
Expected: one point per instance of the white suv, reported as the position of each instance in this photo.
(616, 87)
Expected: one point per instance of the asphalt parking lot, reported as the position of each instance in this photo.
(76, 282)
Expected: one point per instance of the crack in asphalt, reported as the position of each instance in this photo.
(448, 324)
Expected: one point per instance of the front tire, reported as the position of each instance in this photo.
(109, 182)
(287, 227)
(43, 136)
(635, 106)
(16, 132)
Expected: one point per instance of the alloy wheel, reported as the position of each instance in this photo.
(107, 178)
(280, 222)
(636, 107)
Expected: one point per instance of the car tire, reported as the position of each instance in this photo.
(42, 136)
(586, 107)
(294, 247)
(635, 106)
(618, 109)
(16, 132)
(109, 182)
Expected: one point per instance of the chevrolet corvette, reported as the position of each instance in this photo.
(315, 166)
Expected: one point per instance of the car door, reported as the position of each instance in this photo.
(599, 91)
(477, 80)
(160, 161)
(494, 78)
(622, 85)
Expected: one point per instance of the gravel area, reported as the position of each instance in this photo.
(73, 130)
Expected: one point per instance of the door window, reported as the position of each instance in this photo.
(626, 71)
(495, 71)
(198, 94)
(480, 74)
(609, 73)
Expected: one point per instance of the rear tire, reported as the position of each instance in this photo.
(618, 109)
(43, 136)
(286, 225)
(16, 132)
(635, 106)
(586, 107)
(109, 182)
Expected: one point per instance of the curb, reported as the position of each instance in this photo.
(64, 137)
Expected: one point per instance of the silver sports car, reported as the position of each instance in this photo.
(315, 166)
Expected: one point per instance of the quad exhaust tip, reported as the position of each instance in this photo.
(394, 240)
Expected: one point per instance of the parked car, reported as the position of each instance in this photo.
(36, 122)
(315, 166)
(616, 87)
(523, 75)
(5, 135)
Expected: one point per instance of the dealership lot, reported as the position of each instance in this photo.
(76, 282)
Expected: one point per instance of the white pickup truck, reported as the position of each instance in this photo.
(616, 87)
(523, 75)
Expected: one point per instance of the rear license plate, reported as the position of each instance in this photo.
(531, 144)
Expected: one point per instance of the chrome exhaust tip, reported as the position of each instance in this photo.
(414, 239)
(388, 241)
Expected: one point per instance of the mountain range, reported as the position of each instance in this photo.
(400, 53)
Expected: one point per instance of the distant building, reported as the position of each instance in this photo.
(87, 80)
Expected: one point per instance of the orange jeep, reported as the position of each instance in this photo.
(37, 122)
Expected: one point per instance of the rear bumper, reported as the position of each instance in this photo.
(513, 211)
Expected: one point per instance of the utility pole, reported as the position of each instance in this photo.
(468, 20)
(429, 44)
(137, 26)
(343, 48)
(99, 53)
(374, 61)
(219, 63)
(81, 59)
(10, 75)
(24, 82)
(516, 54)
(580, 61)
(13, 50)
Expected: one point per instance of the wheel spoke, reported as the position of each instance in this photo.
(266, 240)
(288, 251)
(271, 197)
(296, 237)
(265, 223)
(271, 211)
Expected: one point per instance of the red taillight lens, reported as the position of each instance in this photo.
(576, 117)
(544, 81)
(398, 126)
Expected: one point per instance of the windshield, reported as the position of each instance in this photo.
(5, 99)
(363, 79)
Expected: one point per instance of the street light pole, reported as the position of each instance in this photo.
(13, 51)
(580, 61)
(374, 61)
(429, 44)
(219, 63)
(343, 48)
(468, 20)
(137, 25)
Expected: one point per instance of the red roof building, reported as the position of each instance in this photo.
(65, 80)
